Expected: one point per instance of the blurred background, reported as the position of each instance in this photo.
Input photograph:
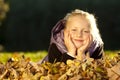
(25, 25)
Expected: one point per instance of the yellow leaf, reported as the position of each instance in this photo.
(70, 62)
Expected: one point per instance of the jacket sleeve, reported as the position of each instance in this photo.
(54, 55)
(98, 53)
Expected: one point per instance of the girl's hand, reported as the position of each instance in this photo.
(82, 49)
(69, 44)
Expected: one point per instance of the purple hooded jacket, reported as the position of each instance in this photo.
(57, 51)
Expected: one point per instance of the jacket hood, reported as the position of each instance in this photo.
(57, 36)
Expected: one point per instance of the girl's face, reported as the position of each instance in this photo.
(78, 30)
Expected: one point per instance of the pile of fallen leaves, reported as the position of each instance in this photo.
(21, 68)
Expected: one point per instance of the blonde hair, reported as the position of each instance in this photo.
(92, 22)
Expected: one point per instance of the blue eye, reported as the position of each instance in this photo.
(74, 30)
(86, 31)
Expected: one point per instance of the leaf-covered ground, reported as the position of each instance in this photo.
(34, 56)
(22, 68)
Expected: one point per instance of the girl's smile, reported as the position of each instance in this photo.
(78, 42)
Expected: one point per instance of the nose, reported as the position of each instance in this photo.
(79, 34)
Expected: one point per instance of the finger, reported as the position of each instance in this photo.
(90, 40)
(88, 55)
(67, 39)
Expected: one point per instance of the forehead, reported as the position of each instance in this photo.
(77, 21)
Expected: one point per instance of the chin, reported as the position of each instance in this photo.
(78, 46)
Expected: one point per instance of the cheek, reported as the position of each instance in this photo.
(72, 35)
(86, 37)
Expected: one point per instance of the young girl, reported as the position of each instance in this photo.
(73, 37)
